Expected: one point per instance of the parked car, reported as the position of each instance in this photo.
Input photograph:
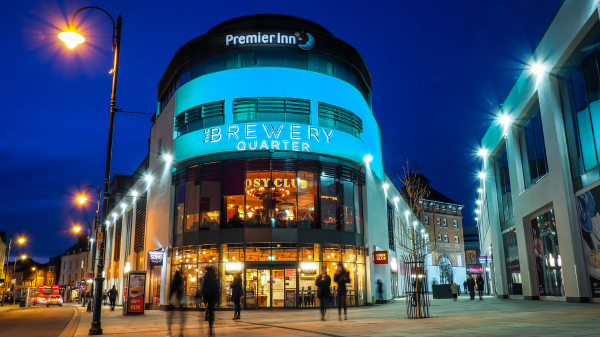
(54, 299)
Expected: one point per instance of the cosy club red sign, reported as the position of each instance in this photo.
(380, 257)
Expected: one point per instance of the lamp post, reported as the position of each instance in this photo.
(72, 39)
(21, 241)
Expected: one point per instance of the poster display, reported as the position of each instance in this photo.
(135, 292)
(589, 221)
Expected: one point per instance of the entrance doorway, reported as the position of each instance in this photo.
(271, 288)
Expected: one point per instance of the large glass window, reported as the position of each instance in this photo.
(335, 117)
(284, 193)
(271, 109)
(513, 267)
(503, 186)
(547, 255)
(533, 149)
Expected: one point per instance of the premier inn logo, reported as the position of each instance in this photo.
(305, 41)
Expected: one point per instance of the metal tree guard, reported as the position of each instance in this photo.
(416, 287)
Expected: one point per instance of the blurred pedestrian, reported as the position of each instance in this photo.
(210, 296)
(480, 286)
(236, 295)
(380, 291)
(104, 297)
(465, 285)
(112, 297)
(323, 282)
(341, 277)
(471, 286)
(175, 303)
(455, 289)
(90, 300)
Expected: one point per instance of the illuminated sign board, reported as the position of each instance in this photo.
(394, 265)
(275, 137)
(485, 259)
(304, 40)
(475, 269)
(277, 182)
(155, 258)
(380, 257)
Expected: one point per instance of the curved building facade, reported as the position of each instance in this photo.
(265, 159)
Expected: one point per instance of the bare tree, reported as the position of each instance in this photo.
(416, 244)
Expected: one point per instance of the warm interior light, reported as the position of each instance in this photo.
(82, 199)
(71, 38)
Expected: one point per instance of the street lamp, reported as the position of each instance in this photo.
(71, 40)
(90, 246)
(76, 229)
(21, 241)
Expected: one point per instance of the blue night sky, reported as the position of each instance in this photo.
(440, 71)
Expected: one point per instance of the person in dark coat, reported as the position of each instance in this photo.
(323, 282)
(175, 303)
(341, 277)
(236, 295)
(471, 287)
(465, 285)
(380, 290)
(210, 296)
(112, 297)
(479, 283)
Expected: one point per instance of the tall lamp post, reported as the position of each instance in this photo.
(72, 38)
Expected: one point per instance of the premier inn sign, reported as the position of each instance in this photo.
(305, 41)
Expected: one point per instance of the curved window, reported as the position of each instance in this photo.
(296, 59)
(200, 117)
(285, 193)
(334, 117)
(271, 109)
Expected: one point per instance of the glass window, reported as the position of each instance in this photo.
(233, 193)
(503, 186)
(246, 59)
(331, 253)
(284, 194)
(329, 203)
(258, 252)
(455, 224)
(445, 223)
(210, 196)
(184, 78)
(307, 199)
(284, 252)
(272, 58)
(234, 211)
(342, 72)
(216, 63)
(192, 205)
(258, 199)
(347, 206)
(180, 211)
(426, 220)
(208, 254)
(307, 252)
(547, 255)
(513, 267)
(533, 150)
(358, 221)
(390, 221)
(198, 70)
(324, 66)
(296, 59)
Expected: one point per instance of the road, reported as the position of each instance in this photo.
(34, 322)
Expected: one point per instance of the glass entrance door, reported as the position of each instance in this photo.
(266, 288)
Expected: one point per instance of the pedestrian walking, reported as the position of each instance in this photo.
(175, 302)
(210, 296)
(90, 299)
(104, 297)
(455, 289)
(480, 286)
(465, 285)
(323, 282)
(380, 291)
(112, 297)
(236, 295)
(471, 286)
(341, 277)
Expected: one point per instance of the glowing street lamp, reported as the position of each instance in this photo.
(82, 199)
(23, 257)
(76, 229)
(71, 37)
(21, 241)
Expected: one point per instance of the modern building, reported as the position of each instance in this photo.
(538, 221)
(442, 221)
(264, 159)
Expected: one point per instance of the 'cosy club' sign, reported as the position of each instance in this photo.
(380, 257)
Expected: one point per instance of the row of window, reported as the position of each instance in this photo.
(505, 206)
(267, 58)
(70, 264)
(268, 109)
(268, 193)
(439, 223)
(456, 240)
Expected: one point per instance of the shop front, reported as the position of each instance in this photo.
(275, 275)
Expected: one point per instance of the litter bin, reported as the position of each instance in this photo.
(23, 302)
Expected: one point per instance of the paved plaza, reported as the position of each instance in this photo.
(490, 317)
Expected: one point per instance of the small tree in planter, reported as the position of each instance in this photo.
(416, 243)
